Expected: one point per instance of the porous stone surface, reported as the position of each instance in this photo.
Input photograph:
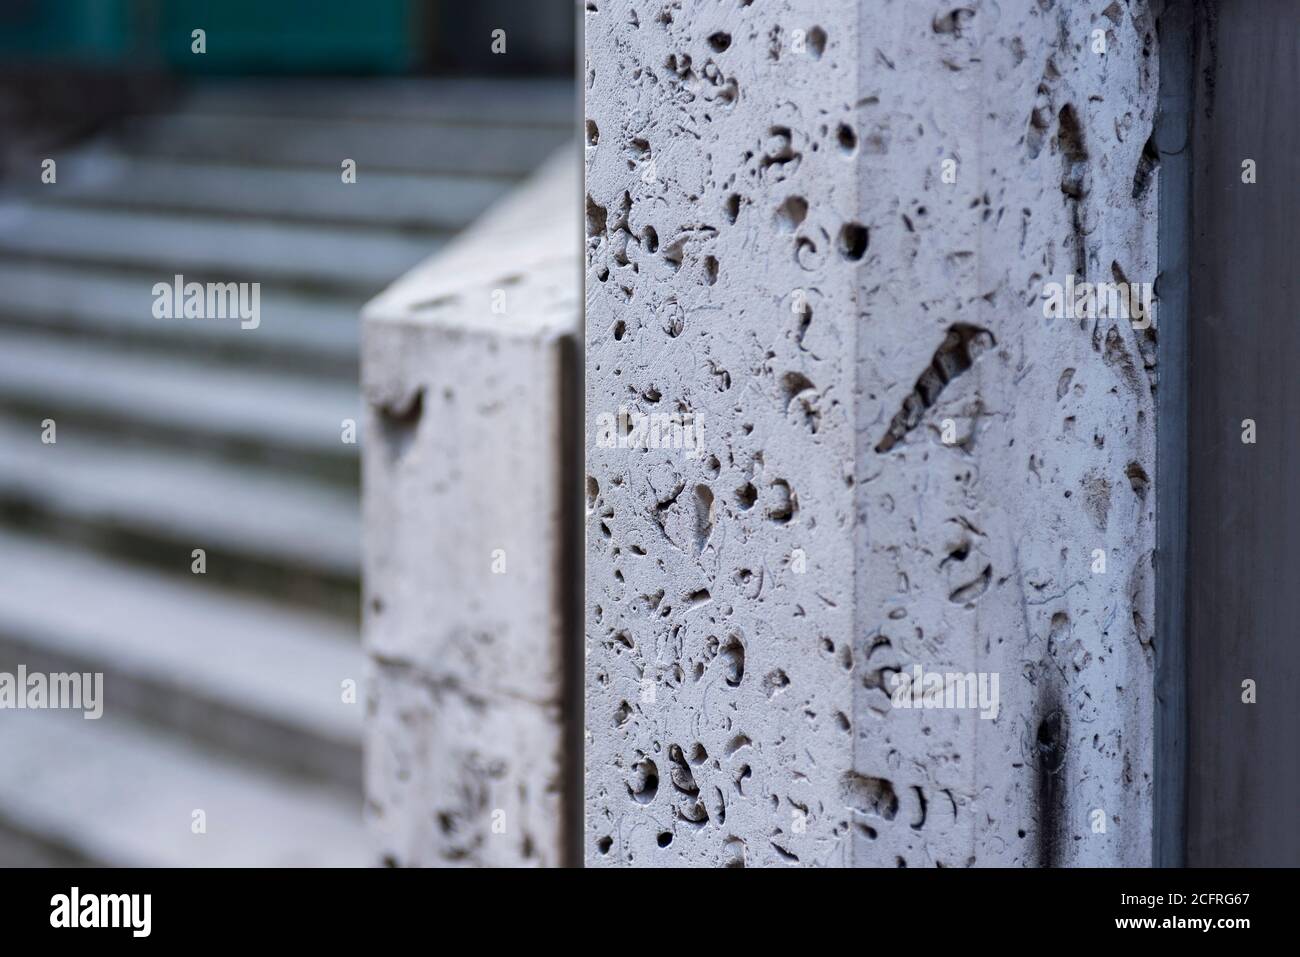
(905, 462)
(469, 372)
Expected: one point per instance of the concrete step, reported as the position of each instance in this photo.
(264, 416)
(263, 531)
(254, 678)
(348, 260)
(469, 102)
(377, 145)
(115, 792)
(307, 334)
(398, 201)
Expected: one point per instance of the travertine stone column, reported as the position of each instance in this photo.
(819, 237)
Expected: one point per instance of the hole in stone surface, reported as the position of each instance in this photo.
(620, 329)
(675, 252)
(805, 320)
(593, 133)
(869, 795)
(604, 844)
(732, 207)
(951, 22)
(399, 421)
(746, 496)
(791, 213)
(698, 597)
(816, 42)
(1137, 477)
(696, 814)
(1069, 136)
(1050, 741)
(961, 346)
(853, 241)
(805, 252)
(743, 775)
(703, 516)
(846, 138)
(775, 682)
(719, 41)
(665, 838)
(597, 216)
(432, 305)
(804, 403)
(732, 655)
(780, 159)
(645, 781)
(735, 847)
(972, 589)
(710, 270)
(1148, 162)
(680, 772)
(784, 503)
(673, 318)
(792, 383)
(957, 553)
(738, 742)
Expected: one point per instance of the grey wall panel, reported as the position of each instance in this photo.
(1243, 599)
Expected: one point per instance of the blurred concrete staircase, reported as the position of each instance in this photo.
(223, 691)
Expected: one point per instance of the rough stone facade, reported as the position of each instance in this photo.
(825, 230)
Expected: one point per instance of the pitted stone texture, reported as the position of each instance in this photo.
(445, 763)
(469, 372)
(731, 180)
(721, 583)
(979, 556)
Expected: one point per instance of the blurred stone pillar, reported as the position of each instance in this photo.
(470, 371)
(819, 237)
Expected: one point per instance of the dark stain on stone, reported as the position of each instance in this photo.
(1049, 745)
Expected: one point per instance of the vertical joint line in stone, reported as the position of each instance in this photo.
(1176, 29)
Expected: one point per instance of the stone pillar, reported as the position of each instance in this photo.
(824, 231)
(471, 375)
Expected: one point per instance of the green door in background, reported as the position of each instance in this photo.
(243, 36)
